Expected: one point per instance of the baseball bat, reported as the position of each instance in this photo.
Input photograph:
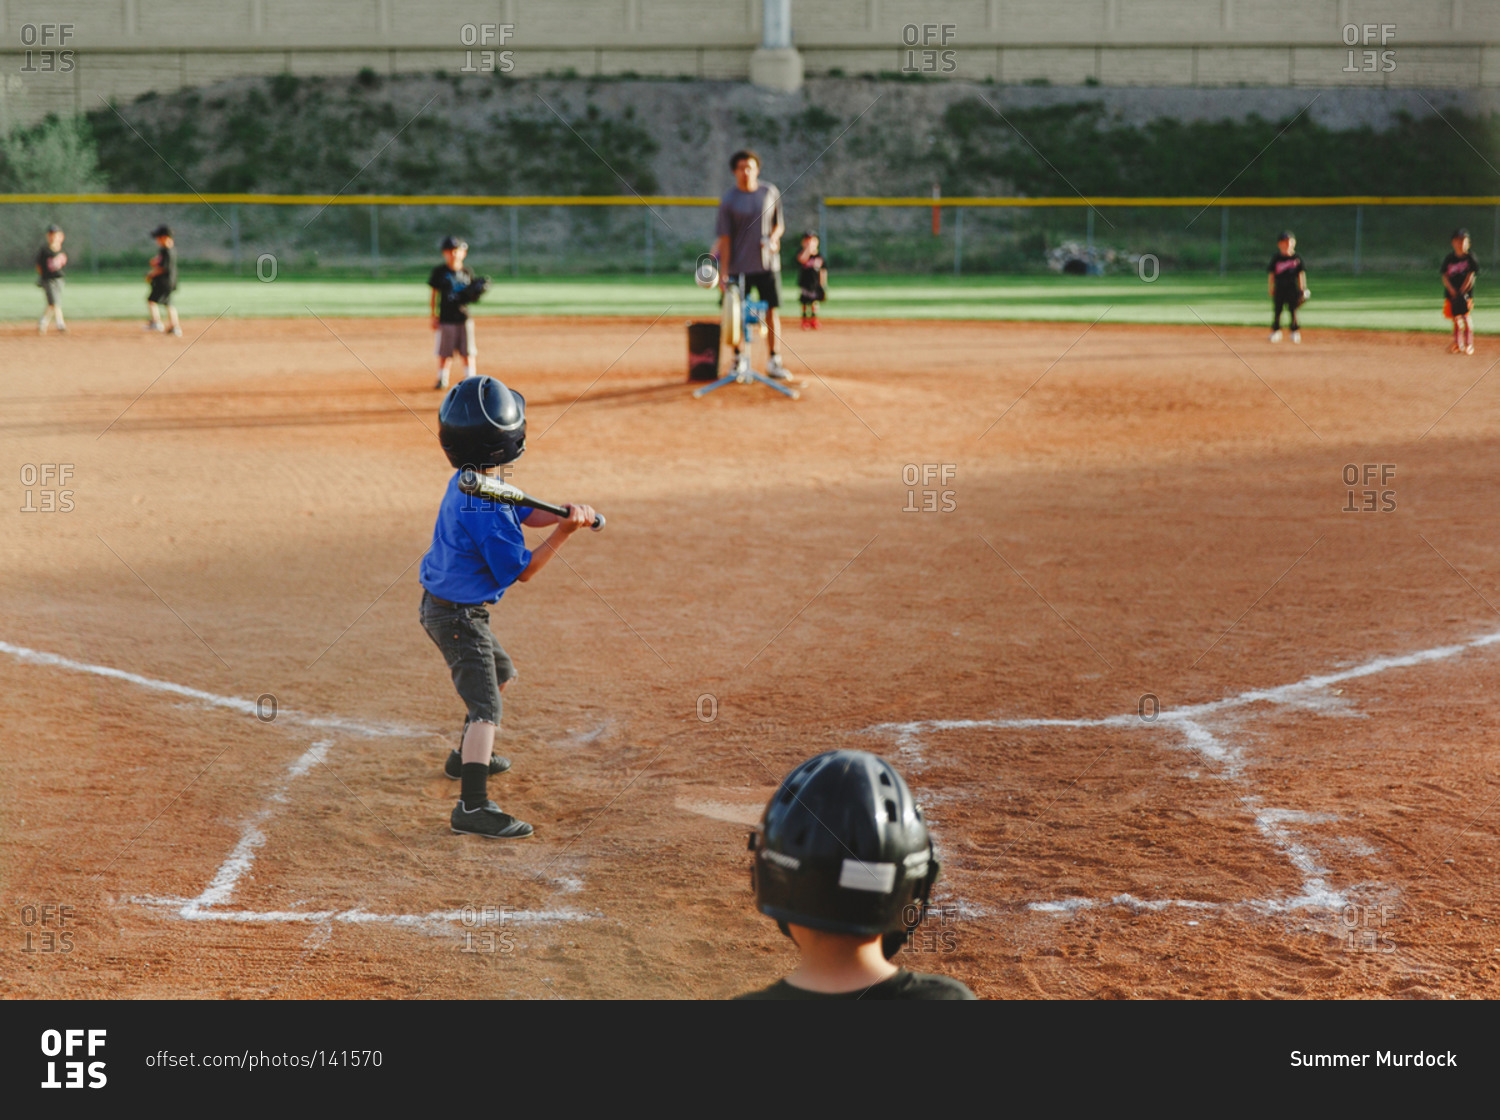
(483, 486)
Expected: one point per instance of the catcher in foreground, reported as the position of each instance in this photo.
(844, 865)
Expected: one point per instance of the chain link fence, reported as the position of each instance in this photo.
(394, 236)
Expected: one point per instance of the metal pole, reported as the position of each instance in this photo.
(958, 240)
(1223, 241)
(234, 230)
(648, 240)
(375, 241)
(1495, 251)
(93, 240)
(776, 24)
(1359, 221)
(823, 226)
(1091, 235)
(515, 226)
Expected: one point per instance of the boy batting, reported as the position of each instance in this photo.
(479, 552)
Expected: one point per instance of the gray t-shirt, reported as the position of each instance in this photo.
(749, 217)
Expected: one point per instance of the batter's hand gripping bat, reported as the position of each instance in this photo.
(483, 486)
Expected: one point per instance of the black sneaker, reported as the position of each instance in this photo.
(488, 822)
(454, 767)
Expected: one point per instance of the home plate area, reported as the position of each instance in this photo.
(1232, 846)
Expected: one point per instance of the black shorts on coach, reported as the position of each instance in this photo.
(767, 286)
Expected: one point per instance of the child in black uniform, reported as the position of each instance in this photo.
(1286, 282)
(812, 279)
(50, 263)
(1459, 270)
(163, 281)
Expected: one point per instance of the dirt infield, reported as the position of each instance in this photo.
(1182, 725)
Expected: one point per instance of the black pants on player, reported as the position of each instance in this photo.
(1290, 301)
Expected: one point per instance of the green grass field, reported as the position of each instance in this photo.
(1404, 301)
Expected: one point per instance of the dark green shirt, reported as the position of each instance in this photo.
(903, 985)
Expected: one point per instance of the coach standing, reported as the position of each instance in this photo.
(748, 244)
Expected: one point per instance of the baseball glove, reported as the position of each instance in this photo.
(473, 290)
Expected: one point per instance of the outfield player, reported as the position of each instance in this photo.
(1286, 282)
(50, 263)
(450, 312)
(1459, 271)
(812, 279)
(163, 281)
(478, 552)
(748, 243)
(844, 865)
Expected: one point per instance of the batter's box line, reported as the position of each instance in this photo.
(242, 856)
(436, 920)
(363, 728)
(1189, 721)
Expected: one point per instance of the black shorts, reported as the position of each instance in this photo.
(767, 286)
(1460, 304)
(476, 661)
(160, 293)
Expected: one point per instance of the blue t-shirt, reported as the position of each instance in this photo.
(477, 550)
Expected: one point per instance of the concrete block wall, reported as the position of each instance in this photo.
(122, 48)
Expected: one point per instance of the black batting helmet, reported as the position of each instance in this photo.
(481, 423)
(451, 242)
(842, 848)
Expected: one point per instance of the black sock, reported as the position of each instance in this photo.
(475, 778)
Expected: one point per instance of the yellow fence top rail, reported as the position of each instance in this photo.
(372, 199)
(1078, 200)
(692, 200)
